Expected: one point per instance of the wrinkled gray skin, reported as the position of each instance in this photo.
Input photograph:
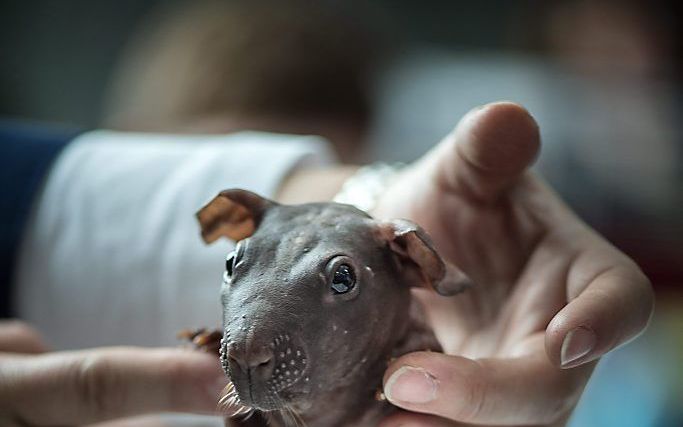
(291, 342)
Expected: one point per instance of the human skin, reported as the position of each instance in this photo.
(539, 272)
(42, 388)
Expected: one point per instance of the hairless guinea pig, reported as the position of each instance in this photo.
(316, 301)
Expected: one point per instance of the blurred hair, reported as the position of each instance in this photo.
(241, 58)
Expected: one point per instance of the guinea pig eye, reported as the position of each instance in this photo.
(234, 258)
(230, 263)
(344, 280)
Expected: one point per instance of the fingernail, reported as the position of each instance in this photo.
(411, 385)
(577, 344)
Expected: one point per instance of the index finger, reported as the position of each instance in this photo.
(610, 302)
(498, 391)
(97, 385)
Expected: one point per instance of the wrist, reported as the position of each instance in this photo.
(310, 185)
(368, 186)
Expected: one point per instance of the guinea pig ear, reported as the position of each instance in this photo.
(234, 214)
(414, 247)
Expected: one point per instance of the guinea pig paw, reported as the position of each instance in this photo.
(203, 339)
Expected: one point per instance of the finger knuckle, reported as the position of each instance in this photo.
(551, 410)
(97, 387)
(646, 298)
(557, 410)
(474, 397)
(569, 388)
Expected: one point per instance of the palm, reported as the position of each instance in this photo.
(539, 274)
(520, 276)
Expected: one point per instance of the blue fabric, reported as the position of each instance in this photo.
(26, 154)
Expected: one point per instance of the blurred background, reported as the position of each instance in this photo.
(385, 80)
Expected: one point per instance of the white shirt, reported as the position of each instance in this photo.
(112, 254)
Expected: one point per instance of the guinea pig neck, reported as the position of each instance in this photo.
(361, 405)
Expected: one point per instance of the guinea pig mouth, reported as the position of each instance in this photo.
(274, 384)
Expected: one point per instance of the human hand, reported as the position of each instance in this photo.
(550, 297)
(38, 388)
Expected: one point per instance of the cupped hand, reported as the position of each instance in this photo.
(550, 297)
(39, 388)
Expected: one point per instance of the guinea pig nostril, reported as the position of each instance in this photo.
(236, 361)
(261, 365)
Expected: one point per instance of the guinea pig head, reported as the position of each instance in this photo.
(315, 296)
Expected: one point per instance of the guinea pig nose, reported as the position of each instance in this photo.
(258, 362)
(261, 364)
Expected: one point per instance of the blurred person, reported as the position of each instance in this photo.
(212, 66)
(624, 54)
(630, 144)
(111, 255)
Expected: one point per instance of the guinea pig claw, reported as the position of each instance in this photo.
(203, 339)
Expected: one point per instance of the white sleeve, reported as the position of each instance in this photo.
(112, 253)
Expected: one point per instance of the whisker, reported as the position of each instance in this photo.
(284, 413)
(291, 417)
(229, 403)
(298, 416)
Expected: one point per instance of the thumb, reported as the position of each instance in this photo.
(96, 385)
(488, 151)
(19, 337)
(527, 390)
